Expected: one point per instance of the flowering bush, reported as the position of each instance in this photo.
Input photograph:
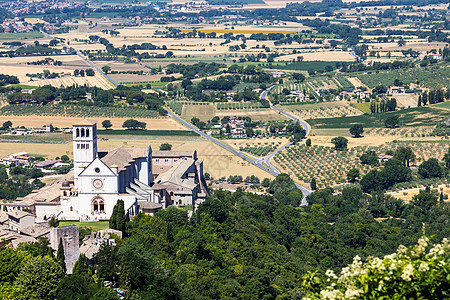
(411, 273)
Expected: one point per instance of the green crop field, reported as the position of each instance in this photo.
(5, 36)
(420, 116)
(307, 65)
(445, 105)
(364, 107)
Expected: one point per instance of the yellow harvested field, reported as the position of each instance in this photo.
(319, 55)
(356, 82)
(322, 137)
(97, 80)
(67, 122)
(244, 31)
(407, 195)
(406, 100)
(217, 161)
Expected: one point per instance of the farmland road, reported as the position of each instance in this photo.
(266, 159)
(262, 163)
(85, 59)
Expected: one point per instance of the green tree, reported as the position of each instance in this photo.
(120, 216)
(308, 142)
(313, 184)
(112, 219)
(425, 199)
(106, 69)
(65, 158)
(60, 254)
(446, 159)
(357, 130)
(39, 278)
(353, 175)
(74, 287)
(405, 155)
(265, 182)
(134, 124)
(369, 158)
(430, 169)
(106, 124)
(391, 122)
(340, 143)
(165, 147)
(6, 125)
(11, 262)
(105, 294)
(81, 266)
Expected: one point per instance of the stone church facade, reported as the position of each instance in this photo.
(100, 178)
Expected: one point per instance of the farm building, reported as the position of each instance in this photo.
(100, 178)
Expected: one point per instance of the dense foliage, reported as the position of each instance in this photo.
(240, 245)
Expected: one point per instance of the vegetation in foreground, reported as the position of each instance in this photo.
(237, 245)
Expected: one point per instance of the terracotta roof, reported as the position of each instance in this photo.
(19, 214)
(174, 154)
(121, 157)
(85, 122)
(36, 230)
(175, 176)
(47, 194)
(149, 205)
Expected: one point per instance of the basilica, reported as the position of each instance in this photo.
(145, 180)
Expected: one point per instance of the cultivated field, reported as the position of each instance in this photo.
(330, 167)
(217, 161)
(67, 122)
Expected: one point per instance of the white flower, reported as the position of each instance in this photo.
(408, 272)
(401, 249)
(331, 274)
(331, 294)
(351, 293)
(423, 267)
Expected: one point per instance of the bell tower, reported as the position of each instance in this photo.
(84, 146)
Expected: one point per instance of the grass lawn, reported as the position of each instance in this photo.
(445, 104)
(4, 36)
(95, 226)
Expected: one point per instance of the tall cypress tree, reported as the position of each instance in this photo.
(60, 255)
(112, 219)
(120, 216)
(313, 184)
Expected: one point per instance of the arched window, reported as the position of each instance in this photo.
(71, 208)
(87, 132)
(82, 132)
(95, 206)
(98, 205)
(77, 132)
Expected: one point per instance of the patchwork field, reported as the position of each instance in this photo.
(420, 116)
(322, 110)
(218, 162)
(330, 167)
(67, 122)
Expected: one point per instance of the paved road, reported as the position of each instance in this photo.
(262, 163)
(266, 159)
(86, 60)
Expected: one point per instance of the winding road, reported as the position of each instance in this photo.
(262, 163)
